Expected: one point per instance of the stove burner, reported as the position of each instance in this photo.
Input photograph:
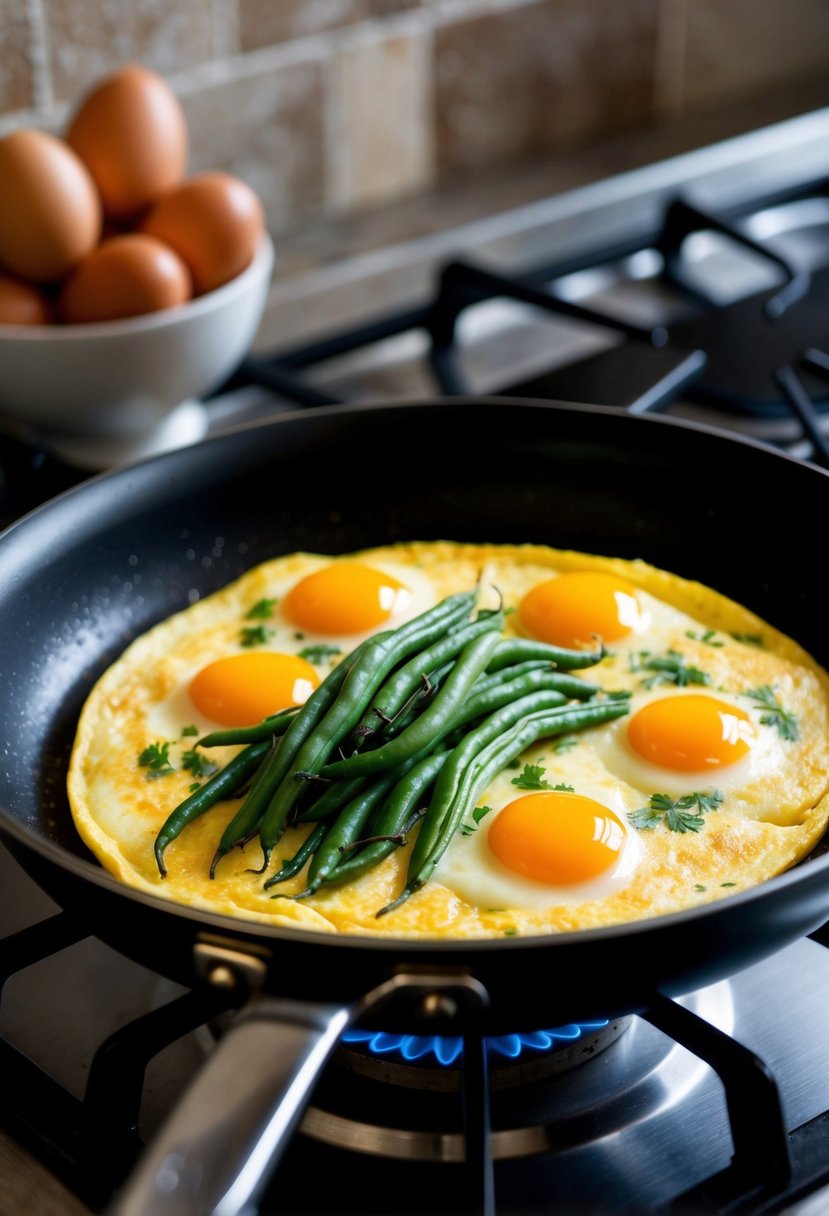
(447, 1052)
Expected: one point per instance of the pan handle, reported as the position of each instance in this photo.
(223, 1140)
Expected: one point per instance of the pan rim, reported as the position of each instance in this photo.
(154, 467)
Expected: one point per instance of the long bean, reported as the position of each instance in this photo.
(274, 724)
(219, 786)
(377, 658)
(395, 815)
(345, 829)
(399, 687)
(245, 822)
(294, 864)
(481, 771)
(431, 723)
(517, 650)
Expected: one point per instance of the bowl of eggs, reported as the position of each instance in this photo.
(128, 289)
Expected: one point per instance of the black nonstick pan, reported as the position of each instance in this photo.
(80, 577)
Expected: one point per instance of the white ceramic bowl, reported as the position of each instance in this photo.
(102, 393)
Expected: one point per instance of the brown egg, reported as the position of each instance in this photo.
(131, 134)
(22, 304)
(50, 213)
(214, 221)
(124, 277)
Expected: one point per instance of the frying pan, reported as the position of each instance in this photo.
(81, 576)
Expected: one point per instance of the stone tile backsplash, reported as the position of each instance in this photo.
(330, 107)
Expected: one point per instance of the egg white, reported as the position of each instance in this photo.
(169, 715)
(764, 757)
(471, 870)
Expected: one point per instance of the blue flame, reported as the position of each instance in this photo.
(447, 1051)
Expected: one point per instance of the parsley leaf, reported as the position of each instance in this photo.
(261, 610)
(683, 815)
(699, 887)
(708, 636)
(531, 777)
(750, 639)
(478, 813)
(318, 654)
(156, 758)
(567, 789)
(775, 714)
(510, 933)
(670, 668)
(254, 635)
(189, 730)
(196, 764)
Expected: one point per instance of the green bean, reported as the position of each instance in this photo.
(517, 650)
(274, 724)
(395, 815)
(398, 688)
(246, 821)
(378, 656)
(481, 771)
(439, 717)
(339, 793)
(294, 864)
(345, 829)
(219, 786)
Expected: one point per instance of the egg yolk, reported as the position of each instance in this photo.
(345, 598)
(691, 734)
(571, 609)
(245, 688)
(557, 838)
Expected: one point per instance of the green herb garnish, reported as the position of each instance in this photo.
(532, 777)
(510, 933)
(728, 884)
(189, 730)
(775, 715)
(683, 815)
(318, 654)
(196, 764)
(670, 668)
(262, 610)
(156, 758)
(708, 637)
(699, 887)
(750, 639)
(254, 635)
(478, 813)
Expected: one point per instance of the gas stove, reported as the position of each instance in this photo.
(700, 287)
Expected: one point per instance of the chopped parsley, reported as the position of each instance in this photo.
(196, 764)
(532, 777)
(318, 654)
(189, 730)
(728, 884)
(478, 813)
(254, 635)
(708, 637)
(262, 610)
(193, 786)
(670, 668)
(156, 759)
(683, 815)
(699, 887)
(510, 933)
(774, 714)
(749, 639)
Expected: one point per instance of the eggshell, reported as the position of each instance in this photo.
(214, 221)
(22, 304)
(124, 277)
(50, 213)
(131, 133)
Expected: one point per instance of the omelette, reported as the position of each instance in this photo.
(697, 764)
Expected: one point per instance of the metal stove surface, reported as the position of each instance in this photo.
(629, 1132)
